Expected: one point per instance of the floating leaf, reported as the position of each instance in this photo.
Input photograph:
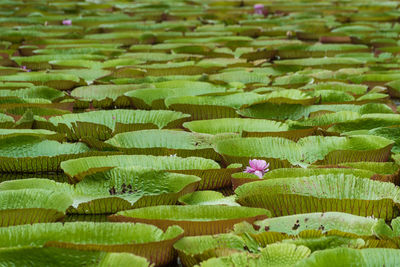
(330, 223)
(105, 95)
(42, 92)
(354, 257)
(213, 106)
(45, 134)
(272, 255)
(235, 125)
(319, 150)
(67, 257)
(366, 122)
(164, 142)
(207, 198)
(241, 76)
(242, 178)
(357, 89)
(295, 111)
(27, 206)
(6, 121)
(326, 62)
(154, 97)
(343, 193)
(56, 80)
(32, 154)
(143, 240)
(103, 123)
(212, 175)
(194, 249)
(117, 189)
(195, 220)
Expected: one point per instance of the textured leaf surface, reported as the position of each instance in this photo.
(196, 220)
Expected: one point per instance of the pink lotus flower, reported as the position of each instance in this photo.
(258, 167)
(25, 69)
(259, 9)
(67, 22)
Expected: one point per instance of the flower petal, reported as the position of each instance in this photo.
(249, 170)
(258, 164)
(260, 174)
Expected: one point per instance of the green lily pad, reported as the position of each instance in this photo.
(193, 250)
(27, 206)
(55, 80)
(154, 97)
(207, 197)
(355, 257)
(280, 152)
(32, 154)
(272, 255)
(116, 189)
(211, 174)
(343, 193)
(164, 143)
(143, 240)
(195, 220)
(103, 124)
(67, 257)
(104, 95)
(296, 111)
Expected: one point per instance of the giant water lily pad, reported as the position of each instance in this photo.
(334, 222)
(344, 193)
(196, 220)
(366, 122)
(213, 106)
(248, 128)
(6, 121)
(297, 111)
(32, 154)
(143, 240)
(329, 63)
(164, 142)
(211, 174)
(319, 150)
(207, 197)
(58, 81)
(194, 249)
(45, 134)
(320, 231)
(104, 95)
(154, 97)
(102, 124)
(27, 206)
(116, 189)
(354, 257)
(34, 92)
(53, 257)
(272, 255)
(242, 178)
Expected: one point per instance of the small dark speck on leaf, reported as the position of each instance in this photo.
(266, 228)
(112, 191)
(123, 188)
(295, 226)
(321, 227)
(305, 219)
